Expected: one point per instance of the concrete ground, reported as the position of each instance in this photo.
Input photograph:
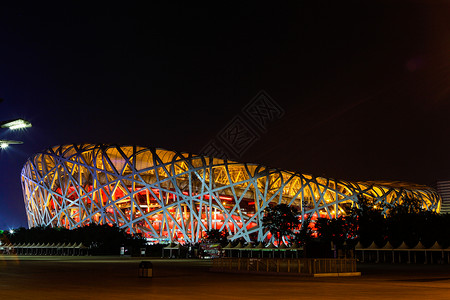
(117, 278)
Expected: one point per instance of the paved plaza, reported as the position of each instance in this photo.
(117, 278)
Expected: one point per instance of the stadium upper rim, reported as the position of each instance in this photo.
(65, 151)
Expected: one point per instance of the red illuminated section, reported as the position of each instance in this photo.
(167, 222)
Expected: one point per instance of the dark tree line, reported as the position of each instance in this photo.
(100, 239)
(405, 222)
(380, 223)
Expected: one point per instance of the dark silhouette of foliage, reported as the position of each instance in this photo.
(441, 226)
(405, 222)
(281, 220)
(336, 230)
(370, 221)
(216, 236)
(305, 234)
(407, 205)
(100, 239)
(414, 227)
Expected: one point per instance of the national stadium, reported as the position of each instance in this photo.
(177, 196)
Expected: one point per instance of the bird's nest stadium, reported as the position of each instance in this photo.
(177, 196)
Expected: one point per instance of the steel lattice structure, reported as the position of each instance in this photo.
(178, 196)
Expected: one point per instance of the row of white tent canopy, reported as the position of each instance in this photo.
(240, 247)
(271, 247)
(403, 253)
(262, 247)
(44, 249)
(388, 246)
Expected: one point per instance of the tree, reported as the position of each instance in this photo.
(408, 205)
(100, 239)
(369, 220)
(404, 221)
(281, 220)
(305, 234)
(336, 230)
(216, 236)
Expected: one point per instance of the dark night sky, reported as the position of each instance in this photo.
(365, 85)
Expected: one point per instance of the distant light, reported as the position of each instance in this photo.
(5, 143)
(11, 231)
(16, 124)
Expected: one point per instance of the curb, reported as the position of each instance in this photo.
(345, 274)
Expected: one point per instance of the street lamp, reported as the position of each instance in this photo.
(15, 124)
(5, 143)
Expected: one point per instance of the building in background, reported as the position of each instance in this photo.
(176, 196)
(443, 188)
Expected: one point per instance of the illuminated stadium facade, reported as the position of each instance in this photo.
(169, 195)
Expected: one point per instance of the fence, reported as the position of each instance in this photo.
(42, 249)
(306, 266)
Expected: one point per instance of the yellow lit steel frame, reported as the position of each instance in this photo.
(178, 196)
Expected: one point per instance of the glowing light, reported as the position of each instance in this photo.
(16, 124)
(11, 231)
(5, 143)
